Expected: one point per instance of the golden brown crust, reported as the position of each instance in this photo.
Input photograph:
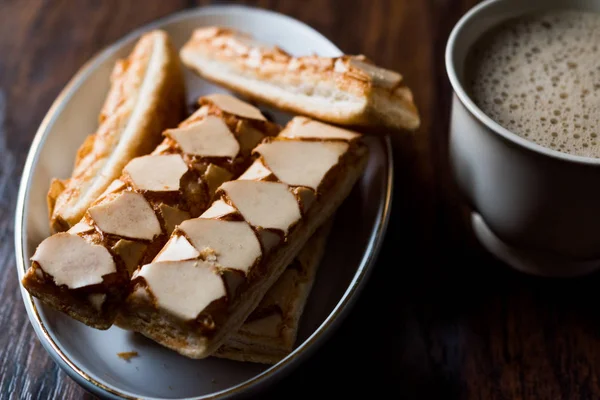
(147, 95)
(346, 90)
(56, 188)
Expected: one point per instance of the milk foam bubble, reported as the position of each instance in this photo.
(539, 77)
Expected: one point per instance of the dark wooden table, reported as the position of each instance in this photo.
(438, 319)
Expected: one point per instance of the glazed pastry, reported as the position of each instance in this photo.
(85, 272)
(346, 90)
(147, 96)
(215, 269)
(269, 333)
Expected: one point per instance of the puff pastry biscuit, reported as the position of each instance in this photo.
(147, 96)
(85, 271)
(215, 269)
(346, 90)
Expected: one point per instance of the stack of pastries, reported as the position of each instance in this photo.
(205, 233)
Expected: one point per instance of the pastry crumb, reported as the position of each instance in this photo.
(208, 254)
(128, 355)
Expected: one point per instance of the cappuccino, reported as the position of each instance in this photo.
(539, 77)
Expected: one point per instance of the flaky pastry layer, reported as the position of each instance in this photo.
(269, 333)
(147, 96)
(346, 90)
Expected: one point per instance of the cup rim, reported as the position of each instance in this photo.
(466, 100)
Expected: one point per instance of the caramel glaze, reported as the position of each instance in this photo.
(237, 282)
(193, 197)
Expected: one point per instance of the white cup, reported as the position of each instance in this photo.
(535, 208)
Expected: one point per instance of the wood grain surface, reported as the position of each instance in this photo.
(439, 317)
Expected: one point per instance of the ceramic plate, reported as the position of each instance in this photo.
(89, 356)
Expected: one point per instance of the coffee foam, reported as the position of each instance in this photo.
(539, 77)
